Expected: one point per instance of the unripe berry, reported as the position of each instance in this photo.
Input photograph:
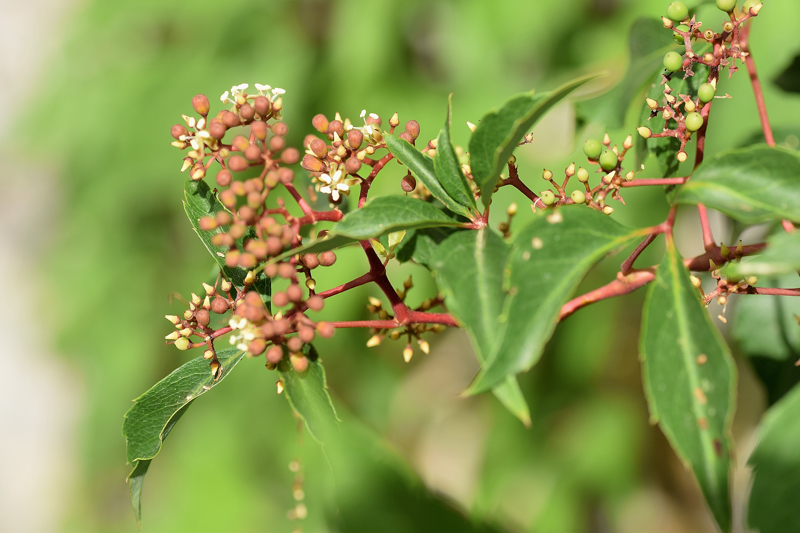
(749, 4)
(336, 127)
(644, 132)
(320, 123)
(677, 36)
(295, 293)
(230, 119)
(726, 5)
(277, 143)
(582, 175)
(608, 161)
(673, 61)
(299, 362)
(592, 148)
(178, 131)
(224, 177)
(694, 121)
(306, 334)
(325, 329)
(548, 198)
(706, 92)
(280, 128)
(259, 130)
(182, 343)
(315, 303)
(689, 106)
(200, 104)
(202, 316)
(238, 163)
(294, 344)
(354, 139)
(290, 155)
(217, 129)
(275, 354)
(311, 163)
(207, 223)
(257, 346)
(280, 299)
(408, 183)
(262, 105)
(677, 11)
(253, 154)
(327, 259)
(228, 198)
(319, 148)
(219, 305)
(352, 165)
(579, 197)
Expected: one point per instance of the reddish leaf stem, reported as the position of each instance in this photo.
(756, 83)
(643, 182)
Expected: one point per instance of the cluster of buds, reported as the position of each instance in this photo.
(685, 114)
(257, 238)
(607, 158)
(410, 332)
(335, 160)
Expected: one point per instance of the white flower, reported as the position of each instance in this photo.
(261, 88)
(335, 185)
(277, 92)
(224, 97)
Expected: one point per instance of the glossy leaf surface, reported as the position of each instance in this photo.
(689, 380)
(501, 130)
(782, 256)
(155, 413)
(776, 469)
(447, 167)
(550, 257)
(469, 268)
(307, 393)
(752, 185)
(422, 166)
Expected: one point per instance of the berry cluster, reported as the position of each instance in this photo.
(259, 238)
(685, 114)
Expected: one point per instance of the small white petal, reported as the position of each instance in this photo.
(278, 90)
(224, 97)
(374, 116)
(343, 187)
(263, 87)
(335, 195)
(325, 178)
(325, 189)
(363, 113)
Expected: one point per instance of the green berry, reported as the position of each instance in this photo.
(182, 343)
(592, 148)
(706, 92)
(548, 197)
(748, 4)
(579, 197)
(582, 175)
(608, 161)
(673, 61)
(694, 121)
(678, 37)
(677, 11)
(726, 5)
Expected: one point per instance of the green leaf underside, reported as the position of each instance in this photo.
(156, 412)
(473, 288)
(447, 167)
(200, 201)
(689, 380)
(665, 149)
(752, 185)
(501, 130)
(647, 44)
(765, 325)
(550, 257)
(307, 394)
(422, 166)
(782, 256)
(776, 469)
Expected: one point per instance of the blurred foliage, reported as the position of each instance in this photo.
(122, 77)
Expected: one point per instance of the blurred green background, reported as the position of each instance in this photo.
(102, 245)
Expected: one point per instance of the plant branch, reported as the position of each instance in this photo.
(756, 83)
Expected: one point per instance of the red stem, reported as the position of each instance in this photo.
(756, 83)
(643, 182)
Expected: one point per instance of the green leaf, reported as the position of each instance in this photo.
(447, 167)
(387, 214)
(647, 43)
(765, 325)
(500, 131)
(200, 201)
(422, 166)
(421, 244)
(782, 256)
(665, 149)
(752, 185)
(550, 257)
(469, 268)
(156, 412)
(307, 393)
(689, 380)
(776, 469)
